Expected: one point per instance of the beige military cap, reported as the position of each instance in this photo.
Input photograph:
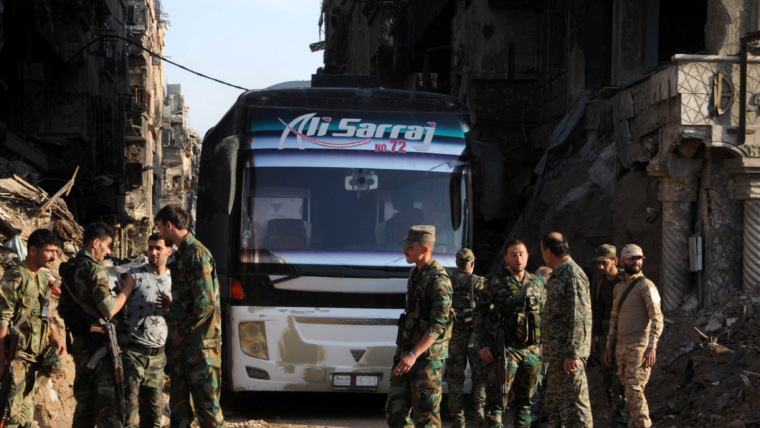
(632, 250)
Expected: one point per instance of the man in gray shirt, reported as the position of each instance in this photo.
(144, 358)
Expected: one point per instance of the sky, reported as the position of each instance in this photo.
(249, 43)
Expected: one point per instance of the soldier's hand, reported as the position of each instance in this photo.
(176, 338)
(164, 301)
(60, 345)
(650, 356)
(404, 365)
(486, 355)
(571, 365)
(608, 357)
(593, 346)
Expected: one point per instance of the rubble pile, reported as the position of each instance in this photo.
(708, 369)
(24, 208)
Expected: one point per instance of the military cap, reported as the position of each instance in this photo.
(422, 234)
(605, 252)
(632, 250)
(465, 255)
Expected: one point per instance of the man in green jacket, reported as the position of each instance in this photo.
(414, 396)
(195, 322)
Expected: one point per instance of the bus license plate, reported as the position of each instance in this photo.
(357, 381)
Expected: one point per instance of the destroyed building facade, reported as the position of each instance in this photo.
(79, 87)
(618, 121)
(181, 151)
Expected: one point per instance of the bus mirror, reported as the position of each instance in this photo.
(361, 179)
(225, 173)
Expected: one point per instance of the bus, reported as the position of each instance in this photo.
(303, 196)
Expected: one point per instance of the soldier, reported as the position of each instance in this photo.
(636, 323)
(423, 337)
(468, 289)
(601, 304)
(510, 330)
(87, 300)
(144, 359)
(195, 321)
(24, 297)
(567, 336)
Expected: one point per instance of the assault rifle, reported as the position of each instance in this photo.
(11, 346)
(112, 349)
(501, 368)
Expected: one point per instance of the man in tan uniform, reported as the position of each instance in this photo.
(635, 326)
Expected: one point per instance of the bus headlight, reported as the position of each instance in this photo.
(253, 339)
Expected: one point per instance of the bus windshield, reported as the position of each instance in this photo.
(345, 208)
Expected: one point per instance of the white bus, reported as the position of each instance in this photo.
(304, 194)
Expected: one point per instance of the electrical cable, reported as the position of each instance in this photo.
(113, 36)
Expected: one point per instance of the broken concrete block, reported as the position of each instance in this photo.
(715, 323)
(606, 171)
(691, 304)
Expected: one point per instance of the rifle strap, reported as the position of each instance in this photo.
(628, 290)
(521, 295)
(25, 315)
(472, 293)
(85, 308)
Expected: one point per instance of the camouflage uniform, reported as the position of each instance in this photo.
(195, 313)
(94, 390)
(144, 359)
(521, 323)
(419, 390)
(16, 294)
(467, 290)
(631, 371)
(601, 302)
(567, 334)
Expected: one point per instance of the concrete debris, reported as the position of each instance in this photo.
(606, 171)
(691, 304)
(715, 323)
(574, 195)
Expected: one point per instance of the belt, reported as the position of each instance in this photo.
(145, 350)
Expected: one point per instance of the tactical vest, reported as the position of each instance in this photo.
(522, 325)
(414, 322)
(463, 299)
(77, 320)
(33, 333)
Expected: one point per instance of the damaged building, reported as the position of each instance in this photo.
(82, 85)
(181, 151)
(618, 121)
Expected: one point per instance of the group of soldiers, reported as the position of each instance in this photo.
(144, 308)
(513, 326)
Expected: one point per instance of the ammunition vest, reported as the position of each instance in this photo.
(33, 334)
(77, 318)
(463, 298)
(519, 316)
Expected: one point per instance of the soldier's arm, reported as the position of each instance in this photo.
(9, 286)
(479, 314)
(440, 305)
(652, 300)
(127, 286)
(612, 335)
(101, 293)
(8, 296)
(200, 283)
(579, 307)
